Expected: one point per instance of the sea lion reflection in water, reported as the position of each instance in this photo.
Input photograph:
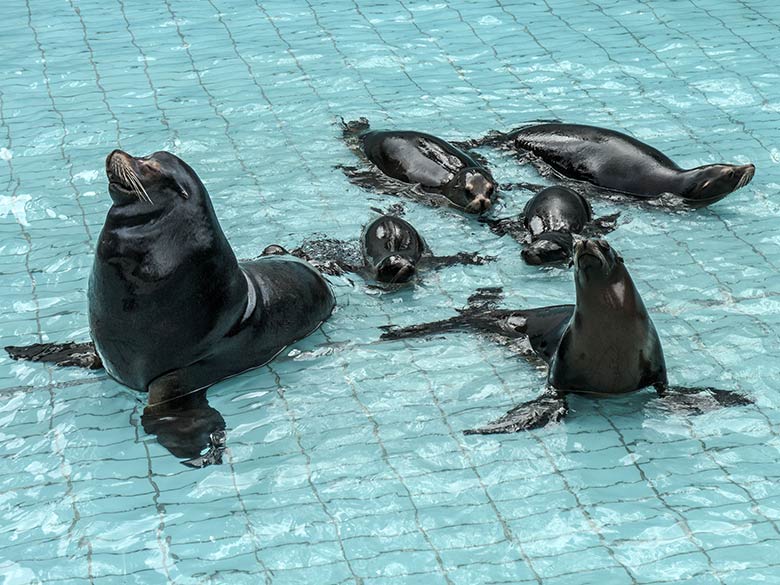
(604, 345)
(171, 310)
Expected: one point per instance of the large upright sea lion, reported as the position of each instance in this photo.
(433, 165)
(616, 162)
(171, 310)
(604, 345)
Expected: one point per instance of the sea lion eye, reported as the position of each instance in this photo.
(603, 245)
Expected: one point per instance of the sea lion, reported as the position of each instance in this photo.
(434, 165)
(604, 345)
(549, 222)
(616, 162)
(171, 310)
(390, 251)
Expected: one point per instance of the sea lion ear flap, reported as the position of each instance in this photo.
(183, 192)
(619, 258)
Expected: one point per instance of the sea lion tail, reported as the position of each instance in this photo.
(82, 355)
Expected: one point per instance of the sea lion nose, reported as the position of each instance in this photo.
(111, 159)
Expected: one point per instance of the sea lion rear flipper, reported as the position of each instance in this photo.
(549, 407)
(82, 355)
(185, 425)
(457, 323)
(467, 258)
(481, 302)
(700, 400)
(601, 226)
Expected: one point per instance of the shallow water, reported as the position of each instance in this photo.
(346, 460)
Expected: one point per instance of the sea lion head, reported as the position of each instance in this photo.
(274, 250)
(151, 182)
(395, 269)
(549, 248)
(557, 209)
(392, 246)
(596, 261)
(710, 183)
(473, 189)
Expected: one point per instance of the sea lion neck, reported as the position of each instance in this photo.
(604, 294)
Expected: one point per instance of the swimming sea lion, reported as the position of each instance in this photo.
(416, 158)
(171, 310)
(390, 252)
(604, 345)
(549, 222)
(616, 162)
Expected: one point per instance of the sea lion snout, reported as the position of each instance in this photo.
(746, 172)
(480, 189)
(590, 254)
(124, 179)
(479, 204)
(395, 270)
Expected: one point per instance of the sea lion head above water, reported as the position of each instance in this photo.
(473, 189)
(713, 182)
(596, 261)
(130, 179)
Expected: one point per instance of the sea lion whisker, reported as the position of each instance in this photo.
(135, 184)
(139, 188)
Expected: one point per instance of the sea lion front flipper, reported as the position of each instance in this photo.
(522, 186)
(512, 226)
(372, 179)
(185, 425)
(601, 226)
(329, 256)
(477, 157)
(493, 138)
(82, 355)
(549, 407)
(700, 400)
(351, 131)
(485, 298)
(467, 258)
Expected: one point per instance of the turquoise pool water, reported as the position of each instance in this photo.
(346, 460)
